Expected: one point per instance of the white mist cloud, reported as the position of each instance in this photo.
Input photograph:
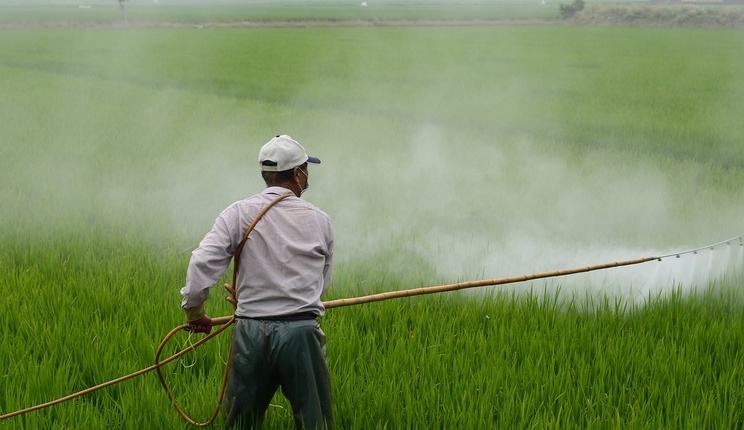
(491, 209)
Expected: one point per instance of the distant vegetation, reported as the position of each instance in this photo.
(569, 10)
(171, 13)
(688, 15)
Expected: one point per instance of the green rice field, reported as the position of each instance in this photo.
(149, 12)
(450, 153)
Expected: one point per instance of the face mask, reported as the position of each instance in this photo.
(307, 182)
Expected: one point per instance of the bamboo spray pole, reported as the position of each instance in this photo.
(338, 303)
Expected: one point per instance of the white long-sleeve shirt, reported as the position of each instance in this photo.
(285, 265)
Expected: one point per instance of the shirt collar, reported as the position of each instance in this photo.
(276, 190)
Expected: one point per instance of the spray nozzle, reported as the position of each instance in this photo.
(711, 247)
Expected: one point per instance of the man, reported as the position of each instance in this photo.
(284, 268)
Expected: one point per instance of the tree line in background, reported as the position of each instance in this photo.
(568, 10)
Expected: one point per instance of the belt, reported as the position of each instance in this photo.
(302, 316)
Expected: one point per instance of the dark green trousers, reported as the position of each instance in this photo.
(267, 355)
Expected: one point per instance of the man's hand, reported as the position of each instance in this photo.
(202, 325)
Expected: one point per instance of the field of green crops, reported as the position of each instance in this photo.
(146, 12)
(449, 154)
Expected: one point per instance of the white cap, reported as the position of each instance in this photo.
(283, 153)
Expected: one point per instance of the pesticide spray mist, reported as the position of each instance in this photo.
(513, 208)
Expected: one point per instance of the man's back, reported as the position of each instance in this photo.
(285, 264)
